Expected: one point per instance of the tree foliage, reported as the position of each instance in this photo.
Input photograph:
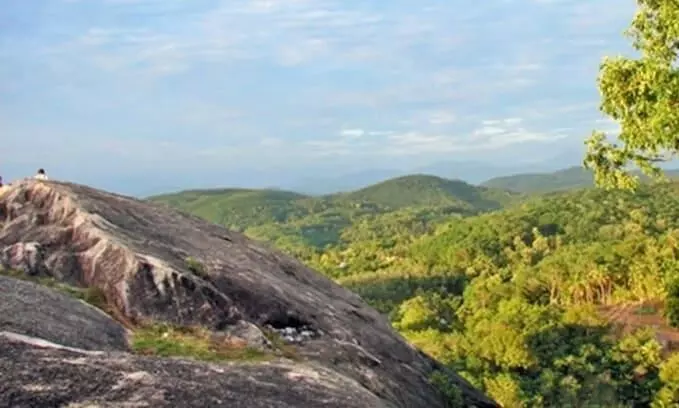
(525, 302)
(642, 95)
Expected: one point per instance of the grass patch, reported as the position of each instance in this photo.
(280, 346)
(93, 296)
(167, 340)
(196, 267)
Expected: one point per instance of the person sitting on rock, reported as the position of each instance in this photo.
(41, 175)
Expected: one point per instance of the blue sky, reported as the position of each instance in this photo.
(141, 95)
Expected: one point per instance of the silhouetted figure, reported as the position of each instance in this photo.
(41, 175)
(1, 181)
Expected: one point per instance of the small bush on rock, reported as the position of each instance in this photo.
(167, 340)
(196, 267)
(447, 386)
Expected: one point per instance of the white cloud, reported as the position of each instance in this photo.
(241, 75)
(442, 118)
(353, 133)
(492, 134)
(489, 131)
(502, 122)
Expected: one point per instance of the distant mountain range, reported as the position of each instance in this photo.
(426, 190)
(244, 208)
(566, 179)
(279, 215)
(402, 191)
(473, 172)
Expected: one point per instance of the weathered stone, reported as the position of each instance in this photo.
(136, 253)
(249, 334)
(24, 256)
(32, 310)
(40, 376)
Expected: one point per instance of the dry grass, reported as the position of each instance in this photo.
(166, 340)
(193, 342)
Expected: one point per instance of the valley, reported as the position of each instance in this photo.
(561, 298)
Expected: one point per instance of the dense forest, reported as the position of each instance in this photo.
(561, 299)
(562, 180)
(298, 222)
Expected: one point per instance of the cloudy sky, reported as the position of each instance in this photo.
(129, 94)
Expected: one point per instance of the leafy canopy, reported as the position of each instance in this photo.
(642, 95)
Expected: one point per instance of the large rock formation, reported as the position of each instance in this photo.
(155, 263)
(32, 310)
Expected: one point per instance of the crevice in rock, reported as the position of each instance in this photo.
(281, 321)
(291, 328)
(146, 273)
(362, 315)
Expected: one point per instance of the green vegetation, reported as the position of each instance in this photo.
(567, 179)
(672, 303)
(424, 190)
(568, 299)
(304, 225)
(167, 340)
(280, 347)
(93, 296)
(196, 267)
(641, 95)
(198, 343)
(448, 388)
(562, 180)
(239, 208)
(556, 300)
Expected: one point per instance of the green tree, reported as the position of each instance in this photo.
(642, 95)
(672, 303)
(668, 396)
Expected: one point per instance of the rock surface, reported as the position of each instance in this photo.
(44, 376)
(29, 309)
(137, 253)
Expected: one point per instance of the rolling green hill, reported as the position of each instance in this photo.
(566, 179)
(238, 208)
(431, 191)
(567, 298)
(297, 221)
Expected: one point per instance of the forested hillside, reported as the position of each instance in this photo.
(566, 179)
(426, 190)
(300, 223)
(562, 180)
(558, 300)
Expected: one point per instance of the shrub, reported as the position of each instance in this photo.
(672, 303)
(198, 343)
(196, 267)
(447, 386)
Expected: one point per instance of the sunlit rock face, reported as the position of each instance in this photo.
(155, 263)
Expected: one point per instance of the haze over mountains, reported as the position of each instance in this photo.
(170, 95)
(520, 182)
